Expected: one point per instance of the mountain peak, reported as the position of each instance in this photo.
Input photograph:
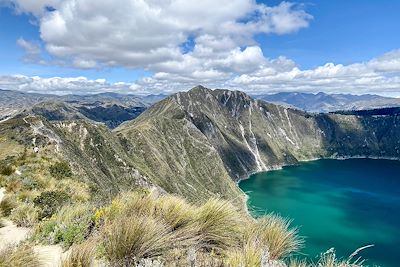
(200, 88)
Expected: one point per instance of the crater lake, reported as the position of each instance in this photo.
(345, 204)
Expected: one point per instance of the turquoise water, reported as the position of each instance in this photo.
(344, 204)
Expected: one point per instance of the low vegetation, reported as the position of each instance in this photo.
(18, 257)
(25, 215)
(140, 228)
(60, 170)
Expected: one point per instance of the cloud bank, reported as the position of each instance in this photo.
(184, 43)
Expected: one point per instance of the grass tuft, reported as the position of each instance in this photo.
(129, 239)
(274, 234)
(18, 257)
(219, 224)
(25, 215)
(82, 255)
(7, 204)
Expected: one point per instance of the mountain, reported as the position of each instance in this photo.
(109, 108)
(199, 143)
(322, 102)
(247, 135)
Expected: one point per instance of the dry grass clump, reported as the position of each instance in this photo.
(142, 228)
(273, 233)
(220, 224)
(82, 255)
(20, 256)
(129, 239)
(147, 226)
(25, 215)
(248, 255)
(7, 204)
(329, 259)
(175, 211)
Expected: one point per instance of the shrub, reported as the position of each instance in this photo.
(50, 202)
(29, 184)
(70, 225)
(18, 257)
(70, 234)
(45, 231)
(60, 170)
(6, 169)
(129, 239)
(7, 204)
(25, 215)
(80, 256)
(273, 233)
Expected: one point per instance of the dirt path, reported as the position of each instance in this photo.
(10, 234)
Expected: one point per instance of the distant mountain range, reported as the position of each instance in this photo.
(322, 102)
(109, 108)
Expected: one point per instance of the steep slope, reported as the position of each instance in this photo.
(322, 102)
(91, 150)
(197, 144)
(249, 135)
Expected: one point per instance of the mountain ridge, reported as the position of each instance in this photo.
(199, 143)
(322, 102)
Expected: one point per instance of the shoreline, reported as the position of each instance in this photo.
(333, 157)
(279, 167)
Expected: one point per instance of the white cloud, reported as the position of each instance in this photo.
(274, 75)
(148, 34)
(32, 51)
(59, 85)
(144, 33)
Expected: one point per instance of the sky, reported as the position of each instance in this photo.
(165, 46)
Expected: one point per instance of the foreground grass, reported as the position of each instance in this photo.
(139, 226)
(18, 257)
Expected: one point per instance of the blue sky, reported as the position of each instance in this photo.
(318, 32)
(343, 31)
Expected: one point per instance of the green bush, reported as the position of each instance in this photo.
(50, 202)
(60, 170)
(6, 169)
(71, 234)
(70, 225)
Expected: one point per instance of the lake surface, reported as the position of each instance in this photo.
(344, 204)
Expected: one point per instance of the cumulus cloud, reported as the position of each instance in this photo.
(141, 34)
(380, 75)
(184, 43)
(61, 86)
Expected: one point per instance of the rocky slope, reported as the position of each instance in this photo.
(251, 135)
(198, 143)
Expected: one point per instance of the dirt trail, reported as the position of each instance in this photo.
(10, 234)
